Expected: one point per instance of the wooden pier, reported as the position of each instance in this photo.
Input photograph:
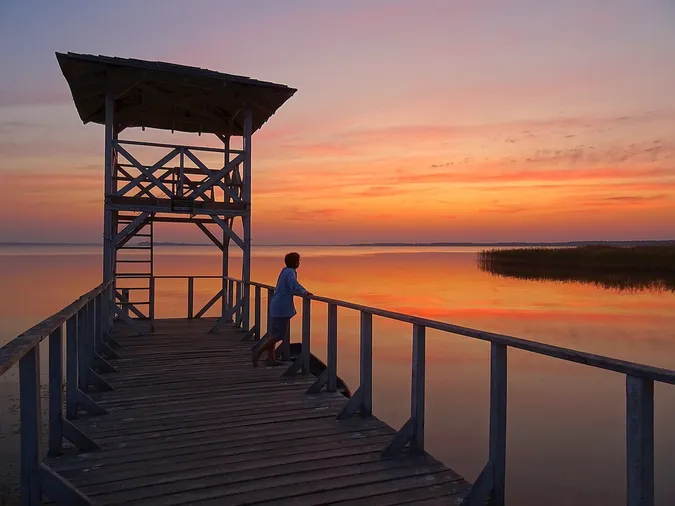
(190, 421)
(163, 412)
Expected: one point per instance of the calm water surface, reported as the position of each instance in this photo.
(565, 421)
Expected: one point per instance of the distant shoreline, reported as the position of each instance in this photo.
(386, 244)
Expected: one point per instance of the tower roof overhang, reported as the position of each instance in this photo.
(168, 96)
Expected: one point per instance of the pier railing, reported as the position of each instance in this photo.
(87, 323)
(490, 484)
(84, 324)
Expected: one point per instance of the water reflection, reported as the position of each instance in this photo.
(565, 421)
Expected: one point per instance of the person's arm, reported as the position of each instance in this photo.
(296, 286)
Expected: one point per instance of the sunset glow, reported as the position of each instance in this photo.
(414, 121)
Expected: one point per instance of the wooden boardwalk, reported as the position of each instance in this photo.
(192, 422)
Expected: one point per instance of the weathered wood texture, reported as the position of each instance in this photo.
(191, 422)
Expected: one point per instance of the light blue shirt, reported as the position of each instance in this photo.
(281, 304)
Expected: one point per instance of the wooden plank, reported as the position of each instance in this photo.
(190, 421)
(639, 441)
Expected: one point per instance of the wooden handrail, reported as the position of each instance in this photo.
(559, 352)
(12, 352)
(491, 483)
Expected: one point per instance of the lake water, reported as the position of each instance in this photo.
(566, 422)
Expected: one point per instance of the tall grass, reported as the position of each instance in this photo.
(619, 267)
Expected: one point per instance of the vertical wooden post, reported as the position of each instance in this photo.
(81, 349)
(151, 311)
(366, 364)
(55, 381)
(91, 332)
(418, 384)
(306, 333)
(286, 344)
(498, 423)
(71, 367)
(31, 427)
(237, 301)
(191, 297)
(332, 348)
(98, 324)
(230, 296)
(108, 229)
(640, 441)
(246, 219)
(125, 299)
(257, 317)
(270, 294)
(227, 293)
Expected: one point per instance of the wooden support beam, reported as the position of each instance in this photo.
(208, 234)
(147, 173)
(208, 305)
(362, 399)
(59, 490)
(228, 230)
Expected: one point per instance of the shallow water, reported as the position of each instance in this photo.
(565, 421)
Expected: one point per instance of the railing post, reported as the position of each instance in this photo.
(237, 296)
(125, 300)
(230, 296)
(71, 367)
(257, 325)
(306, 333)
(498, 390)
(246, 306)
(418, 384)
(151, 311)
(286, 344)
(270, 293)
(332, 348)
(55, 382)
(98, 327)
(91, 332)
(366, 364)
(81, 349)
(31, 427)
(191, 298)
(640, 441)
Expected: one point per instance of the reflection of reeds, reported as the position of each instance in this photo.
(615, 267)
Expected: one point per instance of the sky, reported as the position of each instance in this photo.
(424, 120)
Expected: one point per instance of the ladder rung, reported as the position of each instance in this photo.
(133, 288)
(142, 235)
(132, 275)
(134, 247)
(143, 303)
(134, 261)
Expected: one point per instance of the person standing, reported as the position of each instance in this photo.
(282, 308)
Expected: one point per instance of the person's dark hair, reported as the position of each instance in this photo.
(292, 260)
